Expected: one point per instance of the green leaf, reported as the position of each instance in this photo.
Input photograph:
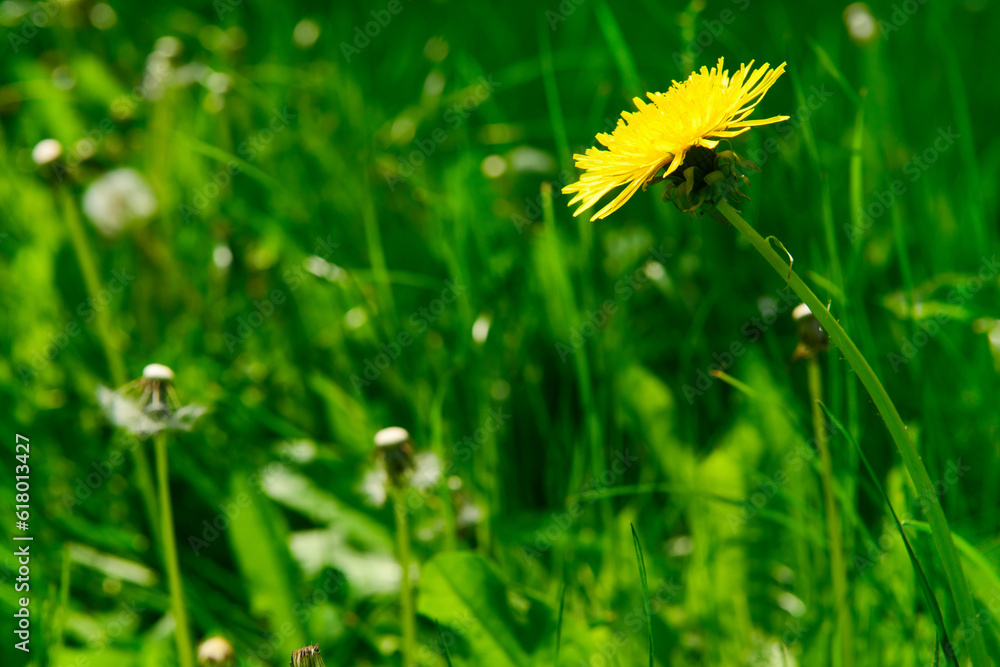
(491, 626)
(645, 590)
(259, 542)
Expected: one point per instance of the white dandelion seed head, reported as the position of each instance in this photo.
(427, 470)
(801, 312)
(117, 199)
(158, 372)
(469, 515)
(860, 23)
(215, 651)
(374, 486)
(46, 151)
(394, 436)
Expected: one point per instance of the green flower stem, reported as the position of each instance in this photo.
(407, 613)
(838, 571)
(185, 653)
(941, 534)
(102, 324)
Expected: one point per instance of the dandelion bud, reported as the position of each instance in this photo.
(812, 339)
(307, 657)
(216, 651)
(394, 448)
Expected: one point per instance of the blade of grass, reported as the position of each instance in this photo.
(645, 590)
(559, 621)
(831, 67)
(552, 95)
(619, 48)
(969, 551)
(925, 587)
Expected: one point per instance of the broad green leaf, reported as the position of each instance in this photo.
(259, 542)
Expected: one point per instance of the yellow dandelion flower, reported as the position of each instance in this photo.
(709, 106)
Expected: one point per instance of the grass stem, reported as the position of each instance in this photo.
(408, 620)
(185, 653)
(838, 573)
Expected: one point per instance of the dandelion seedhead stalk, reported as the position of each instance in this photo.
(395, 450)
(144, 407)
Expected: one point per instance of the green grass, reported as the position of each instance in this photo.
(367, 225)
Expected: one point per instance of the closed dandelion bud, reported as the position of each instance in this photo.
(394, 449)
(216, 651)
(307, 657)
(812, 338)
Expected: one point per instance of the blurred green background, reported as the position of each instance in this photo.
(339, 220)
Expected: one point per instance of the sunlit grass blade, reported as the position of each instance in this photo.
(645, 590)
(831, 67)
(619, 48)
(559, 622)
